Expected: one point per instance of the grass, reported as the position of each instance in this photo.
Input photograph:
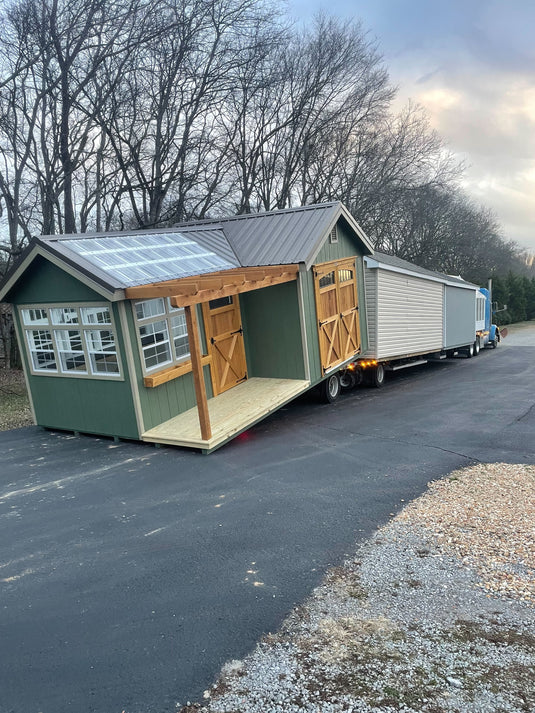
(14, 403)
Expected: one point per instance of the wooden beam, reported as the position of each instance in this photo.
(198, 374)
(173, 372)
(237, 279)
(206, 295)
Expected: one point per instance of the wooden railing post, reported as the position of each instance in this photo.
(198, 375)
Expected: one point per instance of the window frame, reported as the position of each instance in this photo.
(167, 317)
(83, 327)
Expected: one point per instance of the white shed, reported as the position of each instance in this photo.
(413, 311)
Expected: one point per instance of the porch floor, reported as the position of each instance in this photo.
(230, 413)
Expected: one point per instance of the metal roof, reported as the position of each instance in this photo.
(118, 260)
(128, 259)
(397, 263)
(282, 237)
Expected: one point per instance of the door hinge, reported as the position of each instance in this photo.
(212, 340)
(238, 331)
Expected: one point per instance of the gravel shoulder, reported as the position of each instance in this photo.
(435, 614)
(14, 404)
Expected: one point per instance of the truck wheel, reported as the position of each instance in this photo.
(477, 347)
(330, 388)
(378, 376)
(469, 351)
(348, 379)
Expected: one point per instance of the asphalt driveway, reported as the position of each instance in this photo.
(129, 574)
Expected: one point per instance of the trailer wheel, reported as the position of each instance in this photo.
(469, 351)
(330, 388)
(477, 347)
(348, 379)
(378, 376)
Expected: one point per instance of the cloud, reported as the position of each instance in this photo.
(471, 64)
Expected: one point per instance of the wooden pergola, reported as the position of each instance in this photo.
(189, 291)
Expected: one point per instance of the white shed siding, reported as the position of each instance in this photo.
(370, 283)
(409, 314)
(460, 317)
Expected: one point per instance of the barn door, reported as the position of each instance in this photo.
(337, 310)
(224, 334)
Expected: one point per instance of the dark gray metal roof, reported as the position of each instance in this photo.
(282, 237)
(400, 264)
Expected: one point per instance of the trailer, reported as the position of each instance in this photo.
(414, 315)
(189, 335)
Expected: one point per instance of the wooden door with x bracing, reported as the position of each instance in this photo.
(335, 286)
(224, 335)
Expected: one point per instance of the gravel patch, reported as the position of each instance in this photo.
(14, 404)
(435, 614)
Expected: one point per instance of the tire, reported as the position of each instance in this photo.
(477, 347)
(469, 351)
(377, 376)
(330, 388)
(348, 379)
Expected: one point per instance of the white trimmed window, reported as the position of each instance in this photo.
(163, 334)
(71, 341)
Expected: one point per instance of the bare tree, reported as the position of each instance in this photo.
(164, 122)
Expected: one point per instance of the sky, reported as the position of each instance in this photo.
(471, 65)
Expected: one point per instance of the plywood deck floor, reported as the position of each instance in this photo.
(230, 413)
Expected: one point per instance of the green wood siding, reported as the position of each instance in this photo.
(88, 405)
(272, 332)
(45, 283)
(160, 403)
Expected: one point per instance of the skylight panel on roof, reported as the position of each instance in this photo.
(141, 259)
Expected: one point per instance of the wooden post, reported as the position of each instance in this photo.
(198, 375)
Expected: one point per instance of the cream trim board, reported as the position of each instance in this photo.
(302, 318)
(342, 211)
(75, 327)
(131, 367)
(26, 366)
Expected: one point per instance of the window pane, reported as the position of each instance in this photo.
(179, 332)
(102, 351)
(156, 355)
(345, 275)
(66, 315)
(70, 350)
(34, 316)
(95, 315)
(155, 342)
(327, 280)
(41, 350)
(220, 302)
(150, 308)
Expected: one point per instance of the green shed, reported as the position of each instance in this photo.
(188, 336)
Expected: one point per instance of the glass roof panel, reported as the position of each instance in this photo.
(141, 259)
